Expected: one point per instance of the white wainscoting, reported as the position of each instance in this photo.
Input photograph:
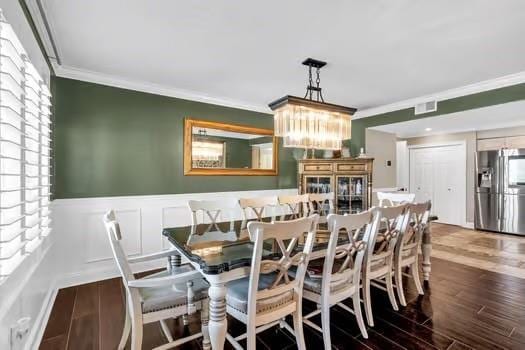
(82, 249)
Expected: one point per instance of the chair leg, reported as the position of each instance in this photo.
(415, 275)
(298, 328)
(251, 339)
(398, 276)
(368, 302)
(206, 344)
(359, 314)
(390, 289)
(136, 333)
(126, 330)
(325, 323)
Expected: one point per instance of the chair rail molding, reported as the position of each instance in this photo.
(82, 243)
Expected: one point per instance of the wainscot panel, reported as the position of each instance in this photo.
(81, 240)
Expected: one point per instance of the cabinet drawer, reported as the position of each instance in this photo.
(317, 167)
(491, 144)
(351, 167)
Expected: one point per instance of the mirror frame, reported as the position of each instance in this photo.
(188, 135)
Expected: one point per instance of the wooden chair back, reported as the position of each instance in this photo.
(389, 199)
(296, 205)
(212, 211)
(322, 204)
(383, 237)
(286, 235)
(349, 256)
(114, 235)
(260, 207)
(416, 223)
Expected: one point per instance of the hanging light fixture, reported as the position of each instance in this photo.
(311, 123)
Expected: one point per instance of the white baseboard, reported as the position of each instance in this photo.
(469, 225)
(39, 326)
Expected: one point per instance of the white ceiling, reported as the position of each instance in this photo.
(505, 115)
(378, 52)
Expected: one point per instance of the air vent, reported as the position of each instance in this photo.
(425, 107)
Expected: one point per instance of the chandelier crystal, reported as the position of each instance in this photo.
(308, 123)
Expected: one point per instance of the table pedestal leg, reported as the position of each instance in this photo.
(217, 325)
(174, 261)
(426, 249)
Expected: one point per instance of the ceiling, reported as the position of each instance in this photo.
(378, 52)
(494, 117)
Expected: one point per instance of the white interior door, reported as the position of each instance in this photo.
(421, 174)
(447, 192)
(438, 173)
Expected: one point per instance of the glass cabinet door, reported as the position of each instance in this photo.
(351, 194)
(318, 184)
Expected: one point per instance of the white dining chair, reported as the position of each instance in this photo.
(388, 199)
(296, 205)
(258, 207)
(322, 204)
(378, 260)
(159, 296)
(341, 271)
(264, 298)
(212, 211)
(407, 248)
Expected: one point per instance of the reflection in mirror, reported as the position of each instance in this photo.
(215, 148)
(209, 239)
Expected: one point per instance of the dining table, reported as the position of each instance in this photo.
(222, 252)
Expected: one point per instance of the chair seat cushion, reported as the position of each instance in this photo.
(314, 284)
(166, 297)
(237, 294)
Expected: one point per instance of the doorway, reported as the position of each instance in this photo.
(438, 173)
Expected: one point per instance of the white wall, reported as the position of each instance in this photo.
(82, 241)
(27, 291)
(382, 146)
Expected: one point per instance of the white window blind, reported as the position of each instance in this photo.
(25, 151)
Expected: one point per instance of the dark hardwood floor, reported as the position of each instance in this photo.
(463, 308)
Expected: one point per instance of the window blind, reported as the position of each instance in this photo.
(25, 154)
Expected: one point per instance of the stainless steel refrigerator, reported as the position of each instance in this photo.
(500, 191)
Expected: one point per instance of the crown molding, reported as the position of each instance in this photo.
(486, 85)
(116, 81)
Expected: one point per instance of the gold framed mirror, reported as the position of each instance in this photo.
(213, 148)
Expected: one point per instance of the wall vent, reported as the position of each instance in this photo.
(425, 107)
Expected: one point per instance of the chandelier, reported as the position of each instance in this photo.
(311, 123)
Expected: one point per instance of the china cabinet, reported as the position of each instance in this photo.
(349, 178)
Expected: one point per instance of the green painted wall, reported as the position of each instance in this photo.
(479, 100)
(116, 142)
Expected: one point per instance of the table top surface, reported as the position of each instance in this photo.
(225, 246)
(218, 247)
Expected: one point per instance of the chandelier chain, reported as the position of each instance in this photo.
(319, 90)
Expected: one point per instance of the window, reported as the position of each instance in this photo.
(25, 152)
